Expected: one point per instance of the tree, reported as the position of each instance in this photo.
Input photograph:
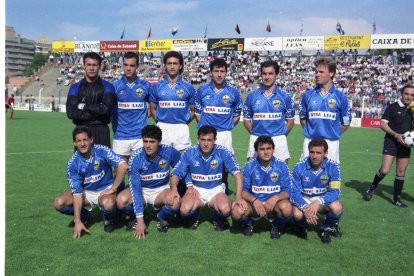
(38, 61)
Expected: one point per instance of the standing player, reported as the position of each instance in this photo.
(269, 111)
(172, 103)
(130, 114)
(324, 111)
(202, 167)
(219, 105)
(10, 105)
(397, 119)
(90, 101)
(149, 174)
(90, 178)
(316, 189)
(266, 188)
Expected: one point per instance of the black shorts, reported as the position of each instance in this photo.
(101, 135)
(393, 148)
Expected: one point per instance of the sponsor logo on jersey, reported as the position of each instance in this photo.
(267, 116)
(322, 115)
(226, 99)
(314, 191)
(139, 92)
(203, 177)
(162, 163)
(154, 176)
(217, 110)
(180, 92)
(131, 105)
(274, 176)
(171, 104)
(94, 178)
(324, 179)
(332, 103)
(96, 165)
(266, 189)
(276, 104)
(213, 164)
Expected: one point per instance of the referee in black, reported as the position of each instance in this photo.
(396, 120)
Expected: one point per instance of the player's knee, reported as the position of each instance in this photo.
(121, 201)
(297, 214)
(185, 209)
(336, 207)
(108, 203)
(58, 203)
(237, 213)
(286, 208)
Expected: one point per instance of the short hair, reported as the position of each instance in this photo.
(177, 55)
(132, 55)
(318, 142)
(206, 129)
(153, 132)
(92, 55)
(219, 63)
(270, 63)
(407, 86)
(81, 129)
(263, 140)
(328, 62)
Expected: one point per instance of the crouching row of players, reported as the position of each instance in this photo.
(264, 188)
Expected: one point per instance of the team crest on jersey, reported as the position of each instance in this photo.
(96, 165)
(139, 92)
(332, 103)
(274, 176)
(226, 99)
(276, 104)
(162, 163)
(180, 92)
(122, 92)
(214, 164)
(324, 179)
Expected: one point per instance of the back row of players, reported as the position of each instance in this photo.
(266, 185)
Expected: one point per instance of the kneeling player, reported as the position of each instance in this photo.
(316, 189)
(149, 173)
(89, 173)
(266, 188)
(202, 167)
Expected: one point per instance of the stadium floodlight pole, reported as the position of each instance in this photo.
(40, 95)
(363, 105)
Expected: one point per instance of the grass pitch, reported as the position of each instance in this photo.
(377, 235)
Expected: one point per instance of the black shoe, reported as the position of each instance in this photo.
(397, 202)
(325, 236)
(193, 224)
(369, 193)
(274, 233)
(302, 232)
(248, 230)
(221, 224)
(162, 225)
(132, 225)
(109, 225)
(336, 231)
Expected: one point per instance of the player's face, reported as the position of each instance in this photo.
(130, 68)
(407, 96)
(265, 152)
(151, 146)
(316, 156)
(218, 75)
(172, 67)
(91, 68)
(268, 76)
(206, 143)
(323, 76)
(83, 143)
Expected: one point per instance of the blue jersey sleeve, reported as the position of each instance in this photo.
(197, 101)
(181, 168)
(238, 104)
(333, 192)
(303, 107)
(229, 161)
(74, 178)
(247, 184)
(296, 194)
(247, 108)
(111, 157)
(345, 112)
(286, 179)
(135, 185)
(290, 107)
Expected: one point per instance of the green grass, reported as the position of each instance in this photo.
(377, 235)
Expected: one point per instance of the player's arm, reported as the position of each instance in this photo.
(153, 110)
(79, 226)
(346, 116)
(344, 128)
(248, 125)
(290, 123)
(296, 193)
(303, 111)
(74, 108)
(387, 129)
(104, 107)
(236, 120)
(192, 114)
(120, 173)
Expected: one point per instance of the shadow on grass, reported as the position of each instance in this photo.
(382, 190)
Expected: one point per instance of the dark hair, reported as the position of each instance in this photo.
(81, 129)
(263, 140)
(407, 86)
(318, 142)
(153, 132)
(329, 63)
(92, 55)
(177, 55)
(219, 63)
(206, 129)
(270, 63)
(132, 55)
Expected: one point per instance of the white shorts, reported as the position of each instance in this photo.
(310, 199)
(150, 194)
(333, 149)
(92, 198)
(175, 135)
(224, 139)
(206, 195)
(126, 147)
(281, 147)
